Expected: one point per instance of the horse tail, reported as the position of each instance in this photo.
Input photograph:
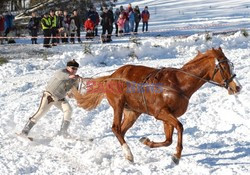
(94, 95)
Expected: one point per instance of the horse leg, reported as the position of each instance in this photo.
(168, 118)
(168, 129)
(118, 106)
(128, 120)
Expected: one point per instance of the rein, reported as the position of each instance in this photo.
(217, 67)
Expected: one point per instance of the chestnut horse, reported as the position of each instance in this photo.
(169, 100)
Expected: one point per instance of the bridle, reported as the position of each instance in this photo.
(218, 67)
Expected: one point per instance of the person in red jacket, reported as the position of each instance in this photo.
(1, 28)
(145, 15)
(89, 26)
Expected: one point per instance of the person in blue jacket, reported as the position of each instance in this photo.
(131, 17)
(8, 23)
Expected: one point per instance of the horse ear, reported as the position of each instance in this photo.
(199, 52)
(212, 48)
(220, 49)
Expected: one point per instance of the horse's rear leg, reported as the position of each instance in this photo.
(168, 129)
(168, 118)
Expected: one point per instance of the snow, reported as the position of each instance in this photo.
(216, 125)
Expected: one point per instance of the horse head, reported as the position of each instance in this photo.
(223, 72)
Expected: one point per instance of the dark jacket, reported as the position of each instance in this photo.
(137, 15)
(107, 18)
(78, 21)
(33, 23)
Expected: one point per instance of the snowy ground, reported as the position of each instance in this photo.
(216, 131)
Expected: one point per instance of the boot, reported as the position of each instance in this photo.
(28, 127)
(64, 127)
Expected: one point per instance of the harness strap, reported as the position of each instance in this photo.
(143, 95)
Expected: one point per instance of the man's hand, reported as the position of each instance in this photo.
(74, 76)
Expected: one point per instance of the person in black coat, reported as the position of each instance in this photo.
(137, 18)
(107, 24)
(78, 23)
(33, 26)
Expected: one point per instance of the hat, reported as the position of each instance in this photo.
(72, 63)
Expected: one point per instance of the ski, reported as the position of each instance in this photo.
(28, 138)
(78, 139)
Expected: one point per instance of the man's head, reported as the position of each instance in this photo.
(75, 12)
(72, 66)
(46, 14)
(33, 14)
(52, 12)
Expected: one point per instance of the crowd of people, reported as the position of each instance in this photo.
(58, 26)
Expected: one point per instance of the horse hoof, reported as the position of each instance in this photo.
(127, 153)
(175, 159)
(130, 159)
(143, 140)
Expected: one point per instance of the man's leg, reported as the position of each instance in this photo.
(47, 35)
(79, 35)
(65, 107)
(45, 104)
(54, 36)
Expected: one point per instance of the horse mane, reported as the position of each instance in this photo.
(200, 56)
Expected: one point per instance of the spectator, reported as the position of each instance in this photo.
(46, 26)
(1, 28)
(60, 25)
(137, 18)
(97, 20)
(78, 22)
(89, 26)
(72, 29)
(111, 14)
(66, 24)
(94, 16)
(54, 27)
(107, 24)
(121, 22)
(117, 14)
(131, 17)
(125, 14)
(8, 23)
(33, 26)
(145, 17)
